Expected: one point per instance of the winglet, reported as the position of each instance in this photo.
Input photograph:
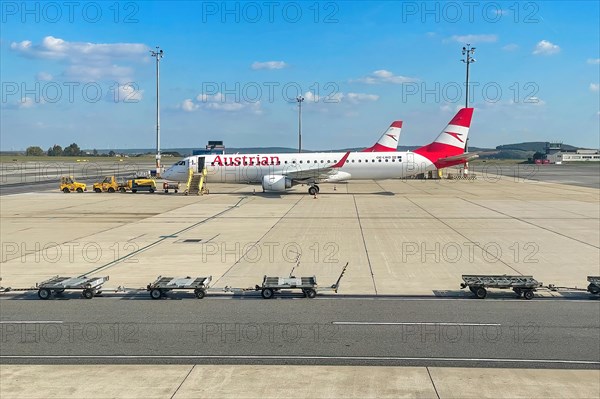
(342, 161)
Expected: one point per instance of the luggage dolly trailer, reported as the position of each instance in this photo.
(89, 286)
(308, 285)
(521, 285)
(162, 285)
(594, 286)
(170, 186)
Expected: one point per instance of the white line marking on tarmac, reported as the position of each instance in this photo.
(429, 323)
(31, 322)
(258, 357)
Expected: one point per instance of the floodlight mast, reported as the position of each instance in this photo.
(468, 52)
(300, 99)
(158, 54)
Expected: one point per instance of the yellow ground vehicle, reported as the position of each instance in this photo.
(67, 185)
(140, 185)
(109, 184)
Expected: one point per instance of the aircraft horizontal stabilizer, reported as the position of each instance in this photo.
(453, 160)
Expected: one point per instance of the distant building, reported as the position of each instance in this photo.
(574, 156)
(553, 147)
(213, 147)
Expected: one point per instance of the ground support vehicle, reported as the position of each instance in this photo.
(521, 285)
(170, 186)
(68, 185)
(308, 285)
(135, 185)
(89, 286)
(162, 285)
(594, 286)
(109, 185)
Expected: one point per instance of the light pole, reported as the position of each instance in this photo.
(467, 51)
(158, 54)
(300, 99)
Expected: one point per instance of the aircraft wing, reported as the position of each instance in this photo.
(316, 172)
(467, 156)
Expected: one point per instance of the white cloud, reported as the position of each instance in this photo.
(269, 65)
(339, 97)
(593, 61)
(129, 93)
(57, 49)
(43, 76)
(384, 76)
(26, 102)
(88, 73)
(510, 47)
(218, 102)
(594, 87)
(22, 103)
(188, 105)
(86, 61)
(356, 98)
(545, 47)
(534, 101)
(446, 107)
(311, 97)
(472, 39)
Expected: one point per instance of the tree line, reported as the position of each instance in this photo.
(71, 150)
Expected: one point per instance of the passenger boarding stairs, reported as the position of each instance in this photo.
(196, 183)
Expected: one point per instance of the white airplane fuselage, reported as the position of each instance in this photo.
(251, 168)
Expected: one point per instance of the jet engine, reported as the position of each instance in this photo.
(276, 183)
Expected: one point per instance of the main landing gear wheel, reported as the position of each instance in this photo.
(313, 190)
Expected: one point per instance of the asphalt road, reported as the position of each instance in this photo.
(26, 177)
(428, 332)
(583, 175)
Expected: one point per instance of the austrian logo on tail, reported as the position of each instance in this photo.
(388, 140)
(455, 135)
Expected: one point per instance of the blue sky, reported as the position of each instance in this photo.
(83, 72)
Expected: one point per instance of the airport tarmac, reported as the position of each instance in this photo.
(583, 174)
(407, 243)
(34, 176)
(401, 237)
